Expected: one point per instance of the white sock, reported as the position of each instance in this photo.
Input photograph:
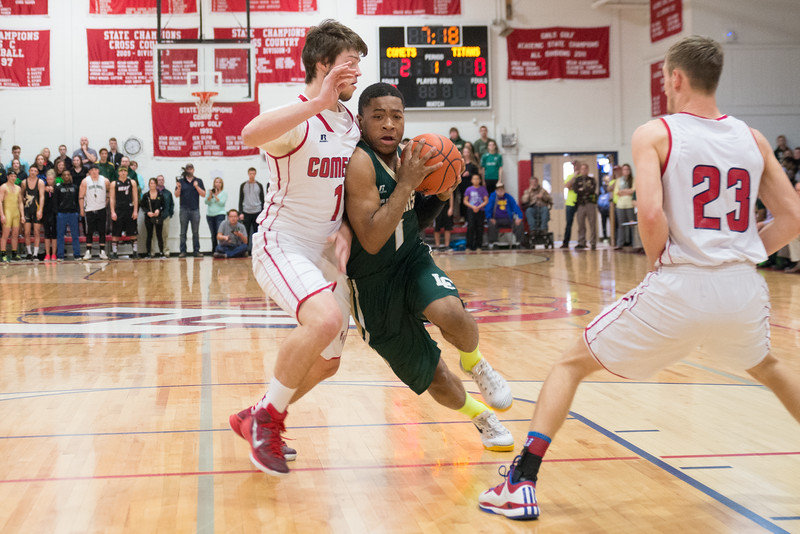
(35, 251)
(28, 248)
(278, 395)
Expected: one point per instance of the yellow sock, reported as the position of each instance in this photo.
(472, 407)
(469, 359)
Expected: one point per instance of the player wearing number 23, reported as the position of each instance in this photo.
(395, 284)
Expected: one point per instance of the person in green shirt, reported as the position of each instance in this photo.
(107, 169)
(481, 146)
(492, 167)
(395, 284)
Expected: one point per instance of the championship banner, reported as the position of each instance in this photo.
(278, 55)
(181, 130)
(409, 7)
(141, 7)
(658, 98)
(125, 57)
(23, 7)
(24, 58)
(558, 53)
(239, 6)
(666, 18)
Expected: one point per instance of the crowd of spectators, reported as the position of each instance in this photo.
(94, 193)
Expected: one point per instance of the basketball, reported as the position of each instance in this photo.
(445, 151)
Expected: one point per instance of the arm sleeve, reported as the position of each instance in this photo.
(427, 209)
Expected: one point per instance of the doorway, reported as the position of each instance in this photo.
(552, 169)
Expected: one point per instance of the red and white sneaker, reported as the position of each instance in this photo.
(242, 422)
(515, 501)
(265, 441)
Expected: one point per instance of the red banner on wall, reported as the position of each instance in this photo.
(24, 58)
(23, 7)
(666, 18)
(125, 57)
(278, 55)
(141, 7)
(556, 53)
(180, 130)
(409, 7)
(658, 98)
(238, 6)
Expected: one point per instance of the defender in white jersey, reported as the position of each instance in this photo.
(301, 248)
(698, 175)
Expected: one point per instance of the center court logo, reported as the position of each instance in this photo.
(151, 320)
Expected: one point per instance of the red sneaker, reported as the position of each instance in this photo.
(266, 446)
(242, 422)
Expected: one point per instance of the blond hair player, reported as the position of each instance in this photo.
(699, 173)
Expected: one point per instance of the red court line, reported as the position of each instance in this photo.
(301, 469)
(371, 467)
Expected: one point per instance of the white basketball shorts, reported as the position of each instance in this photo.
(677, 308)
(290, 272)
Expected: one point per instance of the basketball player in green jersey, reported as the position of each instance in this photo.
(395, 284)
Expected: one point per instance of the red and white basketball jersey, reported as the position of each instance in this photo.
(711, 179)
(306, 189)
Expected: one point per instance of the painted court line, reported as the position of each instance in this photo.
(708, 467)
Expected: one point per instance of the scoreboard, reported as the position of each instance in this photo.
(437, 67)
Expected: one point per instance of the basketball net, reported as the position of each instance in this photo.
(205, 104)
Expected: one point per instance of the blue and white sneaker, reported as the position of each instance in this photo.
(515, 501)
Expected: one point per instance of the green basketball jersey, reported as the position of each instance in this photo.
(401, 244)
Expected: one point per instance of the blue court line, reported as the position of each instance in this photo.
(709, 467)
(786, 518)
(643, 430)
(714, 494)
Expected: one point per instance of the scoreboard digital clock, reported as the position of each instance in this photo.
(437, 67)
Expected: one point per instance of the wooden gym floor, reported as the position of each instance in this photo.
(118, 379)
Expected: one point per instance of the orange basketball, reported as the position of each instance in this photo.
(449, 173)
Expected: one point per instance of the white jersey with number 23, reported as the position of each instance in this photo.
(710, 183)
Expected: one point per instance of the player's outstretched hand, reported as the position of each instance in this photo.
(335, 82)
(412, 169)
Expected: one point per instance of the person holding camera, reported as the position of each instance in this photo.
(215, 209)
(232, 237)
(153, 205)
(189, 189)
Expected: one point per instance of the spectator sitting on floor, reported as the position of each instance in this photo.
(231, 237)
(503, 212)
(537, 202)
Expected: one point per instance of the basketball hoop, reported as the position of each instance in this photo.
(205, 104)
